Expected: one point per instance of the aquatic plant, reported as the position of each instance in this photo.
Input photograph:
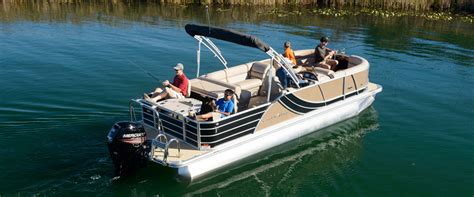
(62, 9)
(403, 5)
(445, 16)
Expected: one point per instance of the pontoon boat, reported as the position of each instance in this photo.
(267, 115)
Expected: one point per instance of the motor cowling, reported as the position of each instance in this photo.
(127, 146)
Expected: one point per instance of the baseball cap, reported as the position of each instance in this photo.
(179, 66)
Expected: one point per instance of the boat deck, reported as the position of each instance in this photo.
(372, 86)
(174, 157)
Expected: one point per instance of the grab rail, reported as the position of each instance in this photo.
(158, 143)
(165, 157)
(164, 145)
(133, 117)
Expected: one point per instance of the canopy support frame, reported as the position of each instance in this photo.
(202, 40)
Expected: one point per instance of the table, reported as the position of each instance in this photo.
(181, 106)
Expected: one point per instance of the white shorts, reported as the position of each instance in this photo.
(174, 94)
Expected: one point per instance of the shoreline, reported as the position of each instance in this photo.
(60, 9)
(465, 7)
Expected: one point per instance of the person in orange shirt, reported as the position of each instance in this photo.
(289, 52)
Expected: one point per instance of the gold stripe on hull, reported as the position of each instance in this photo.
(275, 114)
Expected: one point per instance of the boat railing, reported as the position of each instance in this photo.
(158, 144)
(165, 157)
(168, 122)
(198, 134)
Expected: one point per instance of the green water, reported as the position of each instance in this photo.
(66, 77)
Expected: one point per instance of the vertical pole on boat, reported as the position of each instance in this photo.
(132, 111)
(198, 59)
(270, 78)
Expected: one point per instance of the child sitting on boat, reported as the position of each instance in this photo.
(224, 106)
(177, 89)
(289, 53)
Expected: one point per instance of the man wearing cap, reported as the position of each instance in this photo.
(323, 54)
(177, 89)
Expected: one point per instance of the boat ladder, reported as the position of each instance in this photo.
(161, 144)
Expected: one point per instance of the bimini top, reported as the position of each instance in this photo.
(226, 35)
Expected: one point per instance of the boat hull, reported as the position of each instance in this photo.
(275, 135)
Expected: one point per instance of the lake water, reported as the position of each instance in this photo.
(66, 76)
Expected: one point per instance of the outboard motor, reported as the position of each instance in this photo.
(127, 146)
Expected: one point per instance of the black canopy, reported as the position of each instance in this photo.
(227, 35)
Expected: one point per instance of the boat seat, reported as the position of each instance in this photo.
(212, 88)
(256, 101)
(305, 57)
(249, 84)
(255, 78)
(230, 75)
(324, 71)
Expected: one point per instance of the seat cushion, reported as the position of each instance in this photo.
(324, 71)
(256, 101)
(233, 87)
(259, 70)
(212, 88)
(236, 73)
(249, 84)
(218, 75)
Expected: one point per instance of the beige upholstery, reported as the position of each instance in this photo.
(189, 89)
(230, 75)
(258, 70)
(257, 100)
(245, 80)
(233, 87)
(237, 73)
(211, 88)
(254, 81)
(249, 84)
(324, 71)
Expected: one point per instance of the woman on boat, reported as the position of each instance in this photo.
(225, 106)
(177, 89)
(323, 54)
